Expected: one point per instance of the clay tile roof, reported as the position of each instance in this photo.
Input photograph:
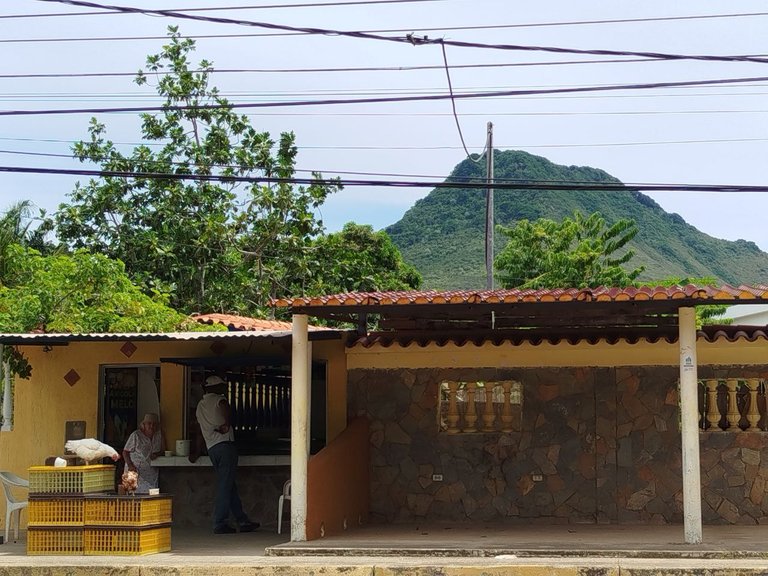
(241, 323)
(704, 294)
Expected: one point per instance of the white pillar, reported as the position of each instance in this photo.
(7, 396)
(689, 408)
(300, 377)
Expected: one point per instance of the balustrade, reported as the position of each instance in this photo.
(733, 405)
(469, 407)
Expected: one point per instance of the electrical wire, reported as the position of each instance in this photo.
(327, 4)
(410, 38)
(532, 185)
(267, 6)
(455, 115)
(344, 70)
(332, 102)
(453, 179)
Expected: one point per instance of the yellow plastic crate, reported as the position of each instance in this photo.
(127, 510)
(71, 479)
(54, 541)
(55, 510)
(120, 541)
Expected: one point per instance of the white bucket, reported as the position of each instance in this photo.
(182, 447)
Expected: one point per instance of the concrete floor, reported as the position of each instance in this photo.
(423, 546)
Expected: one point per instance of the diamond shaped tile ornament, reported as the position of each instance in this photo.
(128, 349)
(218, 347)
(71, 377)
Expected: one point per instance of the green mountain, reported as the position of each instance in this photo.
(443, 233)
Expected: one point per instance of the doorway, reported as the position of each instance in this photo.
(127, 393)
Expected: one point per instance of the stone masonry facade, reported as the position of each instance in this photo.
(597, 445)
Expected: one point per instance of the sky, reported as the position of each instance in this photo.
(685, 135)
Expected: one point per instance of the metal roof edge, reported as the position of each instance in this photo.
(64, 339)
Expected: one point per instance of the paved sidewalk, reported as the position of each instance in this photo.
(430, 551)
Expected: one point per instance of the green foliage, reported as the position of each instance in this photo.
(77, 293)
(707, 314)
(443, 233)
(359, 259)
(210, 245)
(16, 228)
(578, 252)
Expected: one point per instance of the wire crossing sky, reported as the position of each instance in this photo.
(652, 92)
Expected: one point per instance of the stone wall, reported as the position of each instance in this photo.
(596, 446)
(193, 490)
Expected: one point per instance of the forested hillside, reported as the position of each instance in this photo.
(443, 233)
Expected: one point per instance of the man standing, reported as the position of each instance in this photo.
(213, 418)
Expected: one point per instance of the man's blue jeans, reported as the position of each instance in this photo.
(224, 460)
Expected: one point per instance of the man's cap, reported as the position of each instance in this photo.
(213, 381)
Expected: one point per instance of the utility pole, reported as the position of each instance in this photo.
(489, 211)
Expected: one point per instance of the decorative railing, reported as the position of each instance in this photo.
(733, 405)
(470, 407)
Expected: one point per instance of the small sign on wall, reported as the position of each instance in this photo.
(74, 430)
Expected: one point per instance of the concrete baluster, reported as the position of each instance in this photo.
(489, 415)
(452, 418)
(713, 412)
(753, 414)
(733, 416)
(470, 416)
(506, 409)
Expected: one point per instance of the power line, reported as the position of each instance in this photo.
(331, 70)
(327, 4)
(517, 145)
(533, 185)
(453, 108)
(225, 8)
(332, 102)
(410, 38)
(436, 114)
(48, 96)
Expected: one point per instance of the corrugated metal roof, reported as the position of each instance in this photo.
(41, 338)
(701, 294)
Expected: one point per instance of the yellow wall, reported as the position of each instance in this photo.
(333, 352)
(45, 402)
(527, 355)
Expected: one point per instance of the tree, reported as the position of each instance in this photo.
(580, 252)
(80, 293)
(16, 228)
(210, 244)
(359, 259)
(705, 314)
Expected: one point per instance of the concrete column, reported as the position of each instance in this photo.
(300, 397)
(7, 396)
(689, 408)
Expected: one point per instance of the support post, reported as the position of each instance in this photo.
(489, 212)
(7, 395)
(300, 396)
(690, 426)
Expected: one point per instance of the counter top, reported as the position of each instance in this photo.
(266, 460)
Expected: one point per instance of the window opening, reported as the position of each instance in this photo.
(471, 407)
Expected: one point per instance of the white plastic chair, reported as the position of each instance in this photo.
(13, 504)
(286, 495)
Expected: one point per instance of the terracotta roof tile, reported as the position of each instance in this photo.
(241, 323)
(511, 296)
(710, 334)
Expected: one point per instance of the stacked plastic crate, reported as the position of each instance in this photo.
(74, 510)
(127, 525)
